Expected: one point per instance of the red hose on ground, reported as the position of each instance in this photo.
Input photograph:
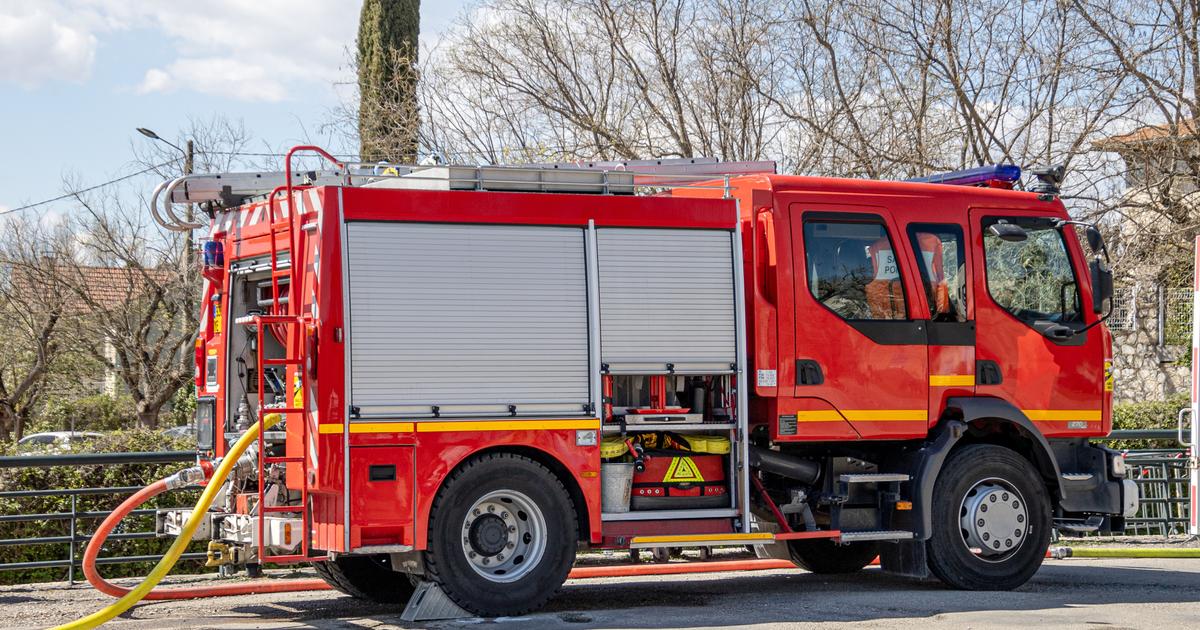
(108, 588)
(286, 586)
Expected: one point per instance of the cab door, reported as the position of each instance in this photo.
(1031, 348)
(943, 260)
(860, 343)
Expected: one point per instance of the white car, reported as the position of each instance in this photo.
(62, 441)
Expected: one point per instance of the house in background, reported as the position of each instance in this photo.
(1152, 321)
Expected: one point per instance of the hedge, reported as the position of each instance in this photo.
(1147, 415)
(93, 476)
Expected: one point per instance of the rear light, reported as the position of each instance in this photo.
(199, 364)
(206, 416)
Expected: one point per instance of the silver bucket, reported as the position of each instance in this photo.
(617, 483)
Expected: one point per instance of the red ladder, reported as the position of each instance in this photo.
(287, 318)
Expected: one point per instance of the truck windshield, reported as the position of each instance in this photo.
(1032, 279)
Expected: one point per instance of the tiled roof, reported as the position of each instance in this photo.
(1148, 135)
(105, 287)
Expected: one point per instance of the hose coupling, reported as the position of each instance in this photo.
(186, 477)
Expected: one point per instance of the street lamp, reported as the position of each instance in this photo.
(187, 170)
(153, 136)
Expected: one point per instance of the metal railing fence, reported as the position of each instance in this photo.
(1161, 475)
(74, 535)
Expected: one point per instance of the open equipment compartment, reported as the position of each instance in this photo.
(669, 353)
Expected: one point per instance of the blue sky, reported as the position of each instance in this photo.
(77, 76)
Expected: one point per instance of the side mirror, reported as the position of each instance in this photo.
(1102, 286)
(1009, 232)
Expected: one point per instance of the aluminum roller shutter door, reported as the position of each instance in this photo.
(470, 318)
(666, 296)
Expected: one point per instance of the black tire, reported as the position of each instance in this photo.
(823, 556)
(369, 578)
(486, 480)
(948, 551)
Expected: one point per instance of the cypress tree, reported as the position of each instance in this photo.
(387, 80)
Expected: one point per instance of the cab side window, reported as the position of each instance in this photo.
(1032, 279)
(942, 261)
(852, 269)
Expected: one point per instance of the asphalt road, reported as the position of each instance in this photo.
(1073, 593)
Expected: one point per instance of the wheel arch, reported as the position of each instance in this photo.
(978, 421)
(550, 462)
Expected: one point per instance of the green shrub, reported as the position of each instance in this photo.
(98, 412)
(30, 478)
(1147, 415)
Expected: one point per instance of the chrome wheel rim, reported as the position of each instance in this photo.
(504, 535)
(994, 520)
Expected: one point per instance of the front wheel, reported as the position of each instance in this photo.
(991, 520)
(502, 535)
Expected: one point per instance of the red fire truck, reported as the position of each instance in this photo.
(481, 370)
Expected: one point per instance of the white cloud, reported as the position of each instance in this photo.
(40, 43)
(267, 50)
(223, 76)
(255, 50)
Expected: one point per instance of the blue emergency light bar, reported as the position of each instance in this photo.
(977, 176)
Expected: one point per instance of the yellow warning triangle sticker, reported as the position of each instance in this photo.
(682, 469)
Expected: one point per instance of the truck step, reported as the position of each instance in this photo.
(702, 540)
(883, 534)
(873, 478)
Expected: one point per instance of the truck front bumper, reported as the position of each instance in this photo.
(1093, 491)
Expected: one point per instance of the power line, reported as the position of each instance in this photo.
(90, 188)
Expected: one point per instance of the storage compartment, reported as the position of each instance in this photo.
(672, 471)
(381, 481)
(656, 399)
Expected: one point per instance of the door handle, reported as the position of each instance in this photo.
(987, 373)
(808, 372)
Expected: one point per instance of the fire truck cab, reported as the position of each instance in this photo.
(476, 371)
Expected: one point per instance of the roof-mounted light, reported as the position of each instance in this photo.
(995, 176)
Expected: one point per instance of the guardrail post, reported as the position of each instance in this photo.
(71, 548)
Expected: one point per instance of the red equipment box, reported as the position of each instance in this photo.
(677, 480)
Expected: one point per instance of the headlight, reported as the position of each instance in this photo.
(1118, 466)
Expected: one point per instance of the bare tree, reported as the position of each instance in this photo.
(33, 310)
(1153, 49)
(140, 298)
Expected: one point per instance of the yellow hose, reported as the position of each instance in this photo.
(1132, 552)
(185, 537)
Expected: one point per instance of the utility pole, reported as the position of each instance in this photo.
(188, 245)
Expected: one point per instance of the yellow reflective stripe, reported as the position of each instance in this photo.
(1058, 415)
(369, 427)
(506, 425)
(886, 415)
(686, 538)
(952, 380)
(462, 425)
(823, 415)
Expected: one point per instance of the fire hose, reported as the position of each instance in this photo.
(129, 597)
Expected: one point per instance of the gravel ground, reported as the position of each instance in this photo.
(1074, 593)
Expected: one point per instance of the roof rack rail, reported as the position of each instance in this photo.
(604, 177)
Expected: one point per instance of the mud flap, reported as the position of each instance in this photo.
(906, 558)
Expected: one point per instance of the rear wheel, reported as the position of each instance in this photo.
(822, 555)
(991, 520)
(502, 535)
(366, 577)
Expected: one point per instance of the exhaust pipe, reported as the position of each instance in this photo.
(803, 470)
